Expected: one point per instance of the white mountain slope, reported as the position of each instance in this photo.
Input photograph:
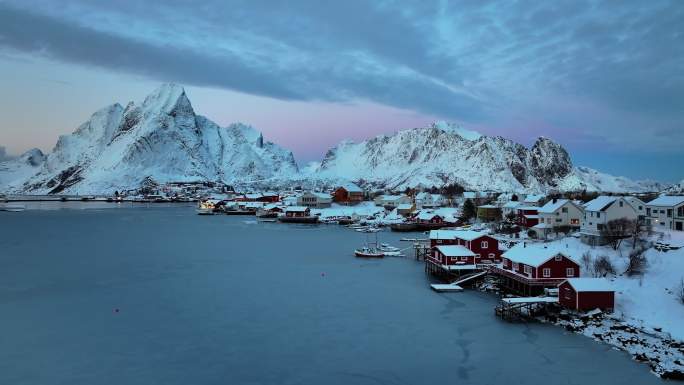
(15, 170)
(443, 154)
(162, 139)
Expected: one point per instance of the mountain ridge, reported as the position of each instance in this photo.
(162, 139)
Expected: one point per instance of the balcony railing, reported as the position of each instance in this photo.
(526, 280)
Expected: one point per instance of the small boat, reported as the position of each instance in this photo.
(387, 247)
(369, 252)
(266, 214)
(13, 208)
(404, 227)
(205, 211)
(294, 219)
(368, 230)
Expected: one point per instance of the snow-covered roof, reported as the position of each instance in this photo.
(528, 208)
(455, 251)
(542, 225)
(319, 195)
(469, 195)
(488, 207)
(535, 254)
(551, 207)
(427, 216)
(271, 206)
(253, 196)
(423, 195)
(351, 187)
(511, 204)
(532, 198)
(405, 206)
(600, 203)
(590, 284)
(667, 201)
(466, 235)
(296, 208)
(532, 216)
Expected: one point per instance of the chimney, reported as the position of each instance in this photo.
(555, 200)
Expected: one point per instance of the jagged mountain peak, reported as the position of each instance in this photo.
(160, 139)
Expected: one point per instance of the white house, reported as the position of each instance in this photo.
(604, 209)
(392, 200)
(425, 199)
(559, 212)
(666, 212)
(314, 200)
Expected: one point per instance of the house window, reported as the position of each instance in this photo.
(546, 272)
(598, 215)
(515, 266)
(484, 244)
(564, 210)
(464, 258)
(528, 270)
(492, 255)
(568, 293)
(558, 257)
(439, 241)
(648, 211)
(570, 272)
(621, 204)
(669, 213)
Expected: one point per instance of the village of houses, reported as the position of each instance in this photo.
(608, 266)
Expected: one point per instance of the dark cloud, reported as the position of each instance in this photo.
(466, 60)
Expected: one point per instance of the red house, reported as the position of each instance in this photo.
(586, 294)
(297, 211)
(529, 268)
(485, 247)
(348, 194)
(429, 219)
(452, 255)
(528, 216)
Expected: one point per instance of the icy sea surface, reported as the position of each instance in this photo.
(159, 295)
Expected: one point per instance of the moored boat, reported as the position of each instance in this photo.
(404, 227)
(368, 252)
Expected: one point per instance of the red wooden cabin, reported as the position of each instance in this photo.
(348, 194)
(485, 247)
(585, 294)
(528, 216)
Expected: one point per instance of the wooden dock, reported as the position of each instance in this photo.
(522, 308)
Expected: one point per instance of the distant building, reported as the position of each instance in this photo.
(427, 200)
(534, 200)
(488, 213)
(485, 248)
(314, 200)
(406, 209)
(348, 194)
(666, 212)
(559, 213)
(527, 216)
(391, 201)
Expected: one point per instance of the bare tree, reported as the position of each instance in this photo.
(586, 261)
(618, 229)
(637, 261)
(603, 266)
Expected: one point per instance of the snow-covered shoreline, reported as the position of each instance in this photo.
(664, 354)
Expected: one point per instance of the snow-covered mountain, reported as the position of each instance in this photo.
(16, 170)
(443, 154)
(160, 139)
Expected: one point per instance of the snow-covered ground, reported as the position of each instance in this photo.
(649, 300)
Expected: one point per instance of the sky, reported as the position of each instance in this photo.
(603, 78)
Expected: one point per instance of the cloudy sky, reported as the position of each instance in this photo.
(605, 79)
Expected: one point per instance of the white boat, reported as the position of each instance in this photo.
(13, 208)
(368, 252)
(368, 230)
(387, 247)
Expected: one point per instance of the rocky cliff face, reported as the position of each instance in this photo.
(161, 139)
